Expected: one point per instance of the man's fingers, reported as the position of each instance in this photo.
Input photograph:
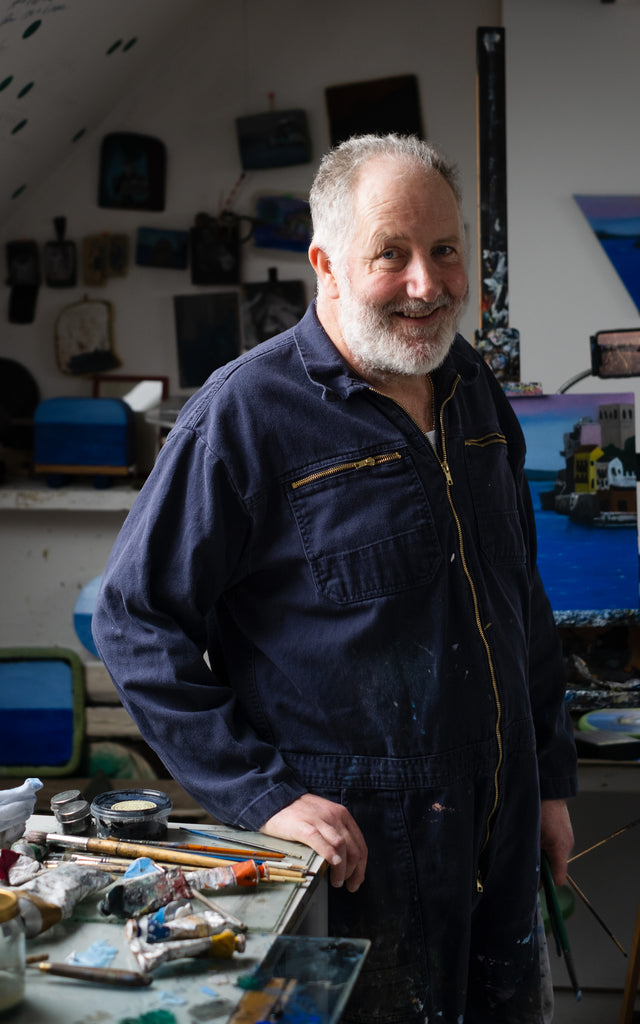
(329, 829)
(556, 837)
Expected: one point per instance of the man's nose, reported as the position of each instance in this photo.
(423, 279)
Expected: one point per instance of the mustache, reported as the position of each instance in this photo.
(416, 307)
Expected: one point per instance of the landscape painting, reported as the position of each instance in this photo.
(581, 468)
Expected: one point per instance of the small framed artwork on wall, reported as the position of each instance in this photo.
(132, 172)
(380, 106)
(207, 334)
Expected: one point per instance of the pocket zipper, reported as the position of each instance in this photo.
(482, 442)
(371, 460)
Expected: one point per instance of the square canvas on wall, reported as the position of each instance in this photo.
(581, 468)
(207, 334)
(380, 105)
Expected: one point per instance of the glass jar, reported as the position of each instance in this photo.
(12, 952)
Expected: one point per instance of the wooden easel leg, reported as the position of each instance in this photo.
(633, 971)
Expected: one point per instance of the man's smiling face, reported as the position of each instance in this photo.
(402, 282)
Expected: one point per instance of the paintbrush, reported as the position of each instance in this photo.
(588, 904)
(275, 868)
(230, 853)
(220, 910)
(120, 848)
(101, 975)
(254, 852)
(224, 839)
(601, 842)
(113, 865)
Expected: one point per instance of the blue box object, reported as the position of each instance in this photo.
(42, 710)
(84, 435)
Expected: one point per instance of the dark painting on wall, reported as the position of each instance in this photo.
(270, 307)
(161, 247)
(132, 172)
(278, 138)
(581, 469)
(380, 106)
(282, 222)
(207, 334)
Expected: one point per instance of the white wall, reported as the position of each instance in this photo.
(573, 84)
(573, 79)
(225, 62)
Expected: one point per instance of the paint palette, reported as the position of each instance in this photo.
(302, 980)
(618, 720)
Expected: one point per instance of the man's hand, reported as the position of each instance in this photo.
(556, 837)
(330, 830)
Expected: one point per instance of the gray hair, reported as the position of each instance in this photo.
(332, 193)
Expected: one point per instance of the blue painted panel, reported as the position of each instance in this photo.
(41, 711)
(31, 736)
(35, 684)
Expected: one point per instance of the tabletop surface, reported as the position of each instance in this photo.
(182, 991)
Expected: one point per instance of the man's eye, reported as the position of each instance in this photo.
(389, 254)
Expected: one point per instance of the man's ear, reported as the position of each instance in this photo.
(324, 271)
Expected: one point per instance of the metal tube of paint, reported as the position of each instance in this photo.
(154, 928)
(150, 955)
(142, 894)
(52, 895)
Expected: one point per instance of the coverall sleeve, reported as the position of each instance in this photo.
(183, 543)
(547, 684)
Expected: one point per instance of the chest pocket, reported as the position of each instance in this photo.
(366, 527)
(495, 500)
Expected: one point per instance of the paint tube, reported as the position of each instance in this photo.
(154, 928)
(150, 955)
(22, 869)
(142, 894)
(244, 873)
(53, 895)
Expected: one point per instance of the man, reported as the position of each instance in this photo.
(340, 521)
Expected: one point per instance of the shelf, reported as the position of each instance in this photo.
(36, 495)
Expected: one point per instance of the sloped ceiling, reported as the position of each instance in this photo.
(64, 64)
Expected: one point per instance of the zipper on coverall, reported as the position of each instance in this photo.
(375, 460)
(444, 465)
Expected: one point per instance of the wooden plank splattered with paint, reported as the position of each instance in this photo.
(496, 340)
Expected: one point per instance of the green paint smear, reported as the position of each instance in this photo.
(250, 982)
(27, 88)
(153, 1017)
(6, 82)
(33, 27)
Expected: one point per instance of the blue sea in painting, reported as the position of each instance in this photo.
(585, 567)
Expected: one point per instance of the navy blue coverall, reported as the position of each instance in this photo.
(377, 633)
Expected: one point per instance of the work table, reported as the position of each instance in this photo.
(187, 990)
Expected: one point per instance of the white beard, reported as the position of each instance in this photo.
(380, 343)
